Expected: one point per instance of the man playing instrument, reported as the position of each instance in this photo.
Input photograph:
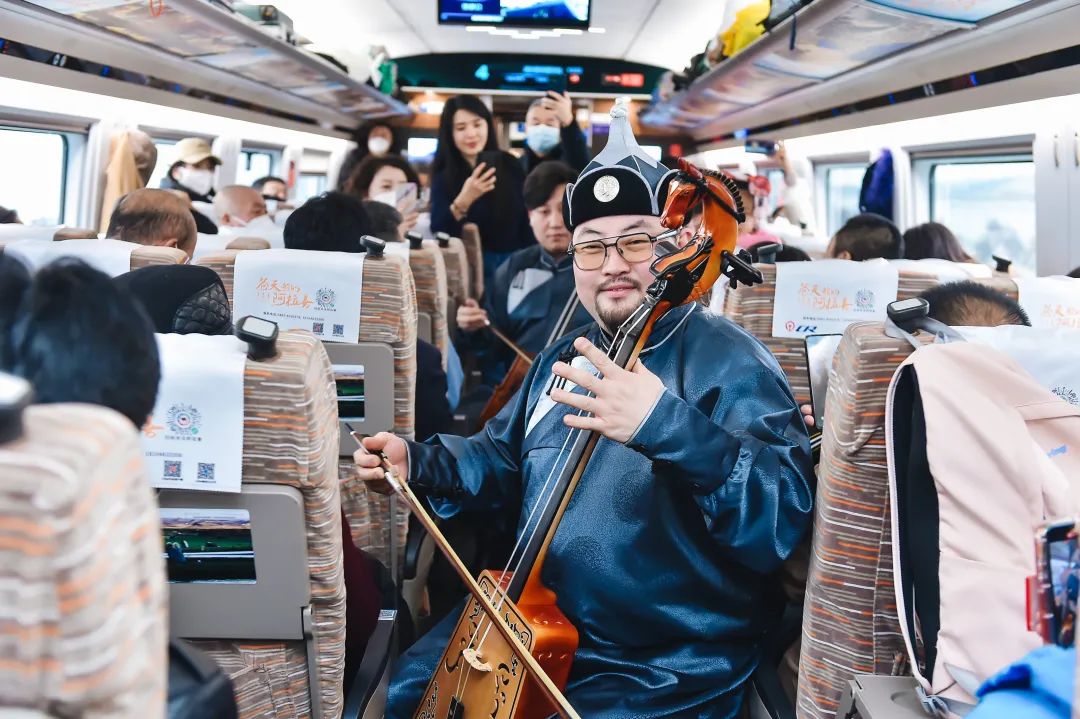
(699, 487)
(533, 291)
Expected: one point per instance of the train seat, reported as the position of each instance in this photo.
(110, 256)
(474, 250)
(84, 626)
(429, 273)
(457, 272)
(752, 309)
(208, 245)
(281, 637)
(850, 624)
(387, 351)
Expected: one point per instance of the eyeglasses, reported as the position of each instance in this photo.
(591, 255)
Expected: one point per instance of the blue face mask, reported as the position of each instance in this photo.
(542, 139)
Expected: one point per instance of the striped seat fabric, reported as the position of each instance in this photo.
(850, 624)
(752, 309)
(387, 316)
(291, 438)
(143, 255)
(429, 273)
(457, 270)
(83, 624)
(474, 250)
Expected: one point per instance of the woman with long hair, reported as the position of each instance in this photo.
(933, 240)
(473, 181)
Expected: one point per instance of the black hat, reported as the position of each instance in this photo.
(621, 180)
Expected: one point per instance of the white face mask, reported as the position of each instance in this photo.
(260, 226)
(271, 205)
(198, 181)
(542, 139)
(378, 145)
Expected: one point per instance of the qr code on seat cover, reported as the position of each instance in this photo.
(172, 470)
(206, 472)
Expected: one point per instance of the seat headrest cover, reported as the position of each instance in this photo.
(181, 299)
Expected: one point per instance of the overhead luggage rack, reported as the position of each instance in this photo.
(813, 50)
(202, 42)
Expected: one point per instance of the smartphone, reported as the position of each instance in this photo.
(761, 147)
(1052, 597)
(820, 350)
(490, 158)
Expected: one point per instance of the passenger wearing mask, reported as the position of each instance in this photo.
(274, 191)
(377, 178)
(551, 133)
(153, 217)
(374, 138)
(180, 299)
(335, 222)
(933, 240)
(242, 212)
(193, 174)
(473, 181)
(101, 352)
(866, 237)
(533, 288)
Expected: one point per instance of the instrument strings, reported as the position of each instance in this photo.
(542, 502)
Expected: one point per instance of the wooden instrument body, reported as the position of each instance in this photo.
(505, 390)
(504, 692)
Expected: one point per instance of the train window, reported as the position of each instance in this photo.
(309, 185)
(166, 156)
(36, 191)
(255, 164)
(988, 203)
(842, 183)
(776, 187)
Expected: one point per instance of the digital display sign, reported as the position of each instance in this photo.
(528, 74)
(516, 13)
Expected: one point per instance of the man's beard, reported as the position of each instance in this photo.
(612, 317)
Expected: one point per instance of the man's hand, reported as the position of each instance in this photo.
(622, 398)
(808, 415)
(562, 105)
(471, 316)
(369, 466)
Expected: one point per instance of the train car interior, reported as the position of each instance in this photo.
(519, 359)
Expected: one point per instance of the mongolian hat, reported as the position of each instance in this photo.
(621, 180)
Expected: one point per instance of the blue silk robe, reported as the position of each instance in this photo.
(663, 560)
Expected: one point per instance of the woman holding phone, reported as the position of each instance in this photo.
(473, 181)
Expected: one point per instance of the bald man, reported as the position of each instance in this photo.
(153, 217)
(238, 205)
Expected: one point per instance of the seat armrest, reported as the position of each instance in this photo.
(367, 697)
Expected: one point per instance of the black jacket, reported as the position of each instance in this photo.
(202, 223)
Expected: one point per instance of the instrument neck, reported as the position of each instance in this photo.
(562, 324)
(625, 348)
